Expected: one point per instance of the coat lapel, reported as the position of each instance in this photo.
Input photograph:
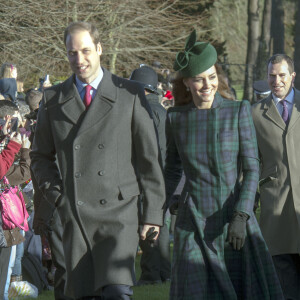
(72, 105)
(102, 103)
(296, 110)
(272, 113)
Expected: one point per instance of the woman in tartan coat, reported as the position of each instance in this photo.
(219, 252)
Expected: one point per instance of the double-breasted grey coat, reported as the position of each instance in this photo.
(106, 155)
(279, 146)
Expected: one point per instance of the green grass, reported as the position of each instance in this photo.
(239, 91)
(150, 292)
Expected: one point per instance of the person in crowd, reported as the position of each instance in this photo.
(8, 70)
(219, 251)
(20, 90)
(167, 100)
(8, 88)
(44, 83)
(276, 119)
(155, 260)
(100, 128)
(12, 237)
(261, 90)
(19, 173)
(33, 99)
(11, 143)
(8, 81)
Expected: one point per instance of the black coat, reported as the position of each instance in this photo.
(159, 118)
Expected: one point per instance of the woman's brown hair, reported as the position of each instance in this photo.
(183, 97)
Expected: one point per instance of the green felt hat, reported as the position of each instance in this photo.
(196, 58)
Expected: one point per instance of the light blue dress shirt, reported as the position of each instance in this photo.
(289, 102)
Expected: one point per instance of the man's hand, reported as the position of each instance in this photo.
(43, 218)
(146, 227)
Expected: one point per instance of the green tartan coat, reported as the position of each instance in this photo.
(212, 147)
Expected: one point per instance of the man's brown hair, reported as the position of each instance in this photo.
(83, 26)
(278, 58)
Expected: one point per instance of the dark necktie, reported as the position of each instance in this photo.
(285, 112)
(87, 96)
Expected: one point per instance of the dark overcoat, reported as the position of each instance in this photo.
(211, 145)
(105, 155)
(159, 118)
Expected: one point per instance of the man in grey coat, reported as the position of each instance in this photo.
(277, 122)
(101, 129)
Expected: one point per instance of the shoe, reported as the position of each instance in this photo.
(148, 282)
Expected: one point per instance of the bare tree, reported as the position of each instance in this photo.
(132, 32)
(264, 42)
(277, 26)
(252, 49)
(297, 48)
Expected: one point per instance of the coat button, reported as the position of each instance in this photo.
(103, 201)
(77, 147)
(101, 173)
(77, 174)
(100, 146)
(80, 203)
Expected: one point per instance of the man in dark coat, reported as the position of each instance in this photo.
(155, 260)
(101, 129)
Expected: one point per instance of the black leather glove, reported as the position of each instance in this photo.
(43, 218)
(174, 208)
(174, 204)
(237, 230)
(150, 235)
(44, 214)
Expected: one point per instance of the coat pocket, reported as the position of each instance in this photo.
(268, 175)
(128, 191)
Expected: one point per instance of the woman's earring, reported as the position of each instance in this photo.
(187, 89)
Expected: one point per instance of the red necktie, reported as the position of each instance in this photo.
(87, 97)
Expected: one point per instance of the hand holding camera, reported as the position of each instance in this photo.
(16, 137)
(9, 124)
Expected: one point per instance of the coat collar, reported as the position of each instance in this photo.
(74, 109)
(295, 117)
(218, 100)
(272, 113)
